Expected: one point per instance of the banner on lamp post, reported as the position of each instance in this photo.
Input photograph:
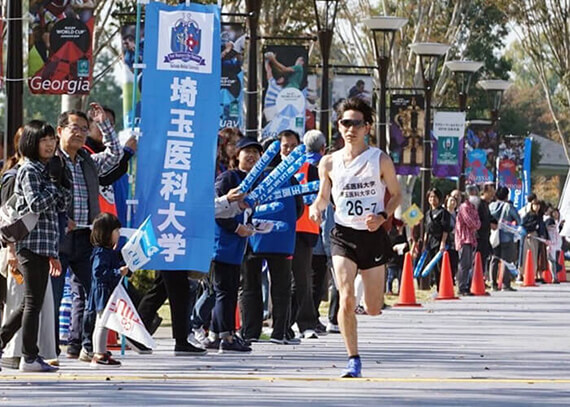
(407, 126)
(447, 137)
(60, 57)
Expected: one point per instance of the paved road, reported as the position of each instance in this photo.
(509, 349)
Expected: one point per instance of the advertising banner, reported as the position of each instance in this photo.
(348, 86)
(447, 142)
(480, 152)
(284, 89)
(60, 49)
(176, 155)
(514, 167)
(232, 47)
(131, 117)
(1, 51)
(407, 118)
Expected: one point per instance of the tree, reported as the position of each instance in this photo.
(545, 36)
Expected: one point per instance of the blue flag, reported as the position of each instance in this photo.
(179, 123)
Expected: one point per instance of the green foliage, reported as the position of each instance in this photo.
(142, 280)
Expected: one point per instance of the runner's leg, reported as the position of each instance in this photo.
(345, 271)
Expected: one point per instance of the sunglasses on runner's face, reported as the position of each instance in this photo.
(349, 122)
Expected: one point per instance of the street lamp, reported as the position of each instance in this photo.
(383, 33)
(325, 11)
(463, 72)
(495, 89)
(429, 54)
(253, 9)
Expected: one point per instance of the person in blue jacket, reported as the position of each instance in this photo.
(230, 240)
(277, 249)
(107, 269)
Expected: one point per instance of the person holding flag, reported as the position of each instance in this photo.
(107, 269)
(358, 176)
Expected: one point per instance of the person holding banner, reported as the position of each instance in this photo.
(229, 248)
(358, 176)
(277, 248)
(108, 267)
(437, 228)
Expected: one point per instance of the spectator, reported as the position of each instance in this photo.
(41, 187)
(451, 204)
(437, 229)
(73, 128)
(484, 232)
(399, 240)
(467, 223)
(503, 211)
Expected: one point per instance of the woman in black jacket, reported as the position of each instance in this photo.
(437, 228)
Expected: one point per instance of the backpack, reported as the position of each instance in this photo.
(13, 226)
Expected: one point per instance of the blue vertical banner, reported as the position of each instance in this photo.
(514, 168)
(179, 123)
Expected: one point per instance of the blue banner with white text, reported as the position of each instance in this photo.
(179, 121)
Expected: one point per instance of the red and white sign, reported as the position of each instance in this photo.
(121, 316)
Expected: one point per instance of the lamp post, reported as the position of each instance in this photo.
(325, 11)
(14, 73)
(495, 88)
(383, 33)
(253, 9)
(429, 54)
(463, 73)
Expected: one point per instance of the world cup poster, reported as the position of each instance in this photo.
(480, 152)
(447, 141)
(284, 89)
(180, 113)
(232, 48)
(346, 86)
(60, 46)
(514, 168)
(407, 118)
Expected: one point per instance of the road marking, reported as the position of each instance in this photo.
(174, 377)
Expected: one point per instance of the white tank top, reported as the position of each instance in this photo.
(357, 189)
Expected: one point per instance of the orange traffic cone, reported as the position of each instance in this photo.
(478, 281)
(238, 318)
(446, 291)
(113, 342)
(529, 280)
(562, 273)
(407, 291)
(547, 276)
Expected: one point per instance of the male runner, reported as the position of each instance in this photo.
(358, 176)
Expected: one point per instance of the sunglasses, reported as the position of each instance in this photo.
(349, 122)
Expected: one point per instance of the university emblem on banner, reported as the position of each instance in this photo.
(185, 41)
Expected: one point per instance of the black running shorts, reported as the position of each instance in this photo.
(366, 249)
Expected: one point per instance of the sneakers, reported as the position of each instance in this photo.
(285, 341)
(200, 335)
(333, 328)
(72, 355)
(187, 349)
(509, 288)
(85, 356)
(212, 343)
(103, 361)
(236, 345)
(138, 347)
(360, 310)
(320, 329)
(353, 369)
(37, 365)
(309, 334)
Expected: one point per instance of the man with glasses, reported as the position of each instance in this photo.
(75, 247)
(357, 176)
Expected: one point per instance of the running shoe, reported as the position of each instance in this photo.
(36, 365)
(235, 345)
(353, 369)
(104, 361)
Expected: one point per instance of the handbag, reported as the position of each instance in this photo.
(13, 226)
(495, 237)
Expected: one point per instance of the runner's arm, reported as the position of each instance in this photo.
(388, 172)
(323, 197)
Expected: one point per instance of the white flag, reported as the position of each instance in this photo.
(121, 316)
(141, 246)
